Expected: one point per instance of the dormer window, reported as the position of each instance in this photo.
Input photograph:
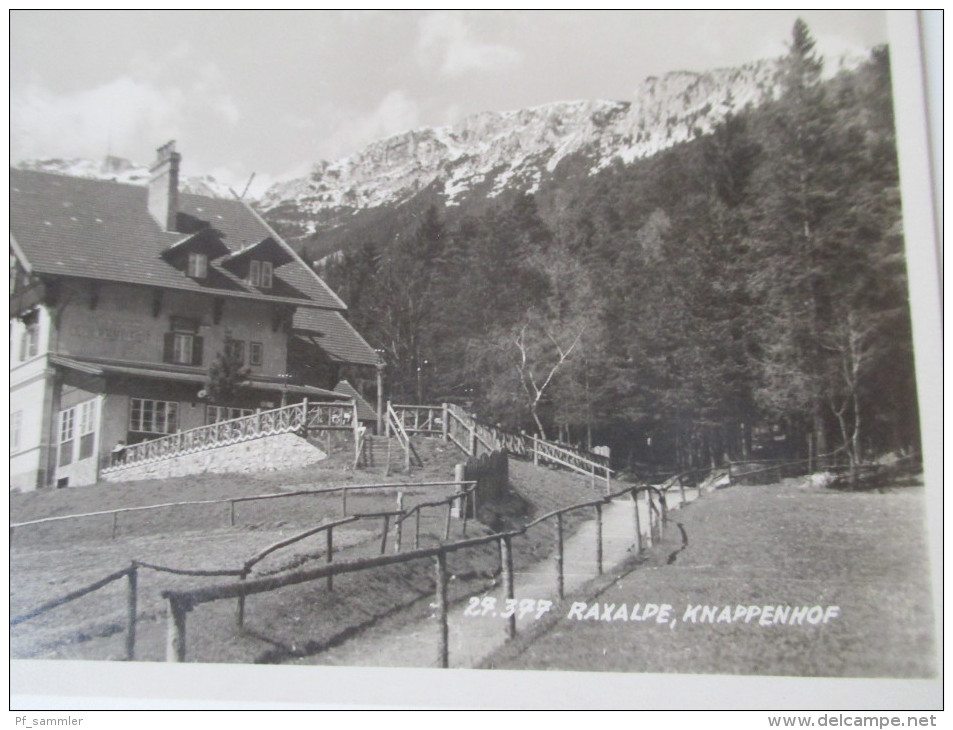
(259, 273)
(197, 266)
(192, 254)
(256, 264)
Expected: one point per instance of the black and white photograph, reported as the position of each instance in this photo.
(474, 359)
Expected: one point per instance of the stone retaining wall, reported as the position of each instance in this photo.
(284, 451)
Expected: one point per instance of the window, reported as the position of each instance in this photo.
(217, 414)
(255, 353)
(266, 275)
(30, 341)
(183, 346)
(66, 436)
(235, 349)
(198, 265)
(260, 274)
(87, 428)
(16, 426)
(153, 416)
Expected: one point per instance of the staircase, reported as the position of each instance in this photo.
(375, 451)
(381, 452)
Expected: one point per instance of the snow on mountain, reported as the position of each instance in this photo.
(494, 151)
(121, 170)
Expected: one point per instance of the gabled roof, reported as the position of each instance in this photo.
(98, 229)
(333, 334)
(364, 410)
(205, 241)
(267, 250)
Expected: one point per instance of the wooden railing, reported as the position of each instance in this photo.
(131, 573)
(472, 437)
(595, 466)
(224, 433)
(302, 416)
(181, 602)
(425, 420)
(332, 416)
(395, 426)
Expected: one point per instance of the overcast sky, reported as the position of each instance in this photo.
(272, 92)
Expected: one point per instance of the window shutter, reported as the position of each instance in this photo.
(196, 350)
(168, 347)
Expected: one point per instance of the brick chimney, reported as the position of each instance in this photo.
(164, 186)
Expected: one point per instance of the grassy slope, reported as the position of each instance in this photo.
(863, 552)
(50, 561)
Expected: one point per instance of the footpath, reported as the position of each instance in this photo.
(476, 626)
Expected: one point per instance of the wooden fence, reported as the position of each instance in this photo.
(180, 602)
(343, 491)
(394, 425)
(131, 573)
(297, 417)
(475, 438)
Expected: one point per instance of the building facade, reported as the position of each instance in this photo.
(122, 297)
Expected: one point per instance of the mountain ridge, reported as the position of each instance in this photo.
(490, 153)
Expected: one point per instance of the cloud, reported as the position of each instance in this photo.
(445, 44)
(124, 115)
(162, 98)
(395, 113)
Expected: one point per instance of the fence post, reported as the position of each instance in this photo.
(175, 639)
(599, 538)
(231, 513)
(463, 506)
(443, 650)
(535, 452)
(445, 424)
(329, 557)
(131, 609)
(357, 431)
(384, 534)
(559, 555)
(449, 515)
(506, 567)
(681, 487)
(638, 521)
(115, 524)
(648, 507)
(240, 614)
(343, 501)
(400, 522)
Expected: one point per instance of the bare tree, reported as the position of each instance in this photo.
(543, 349)
(852, 345)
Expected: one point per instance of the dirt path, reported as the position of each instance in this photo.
(476, 626)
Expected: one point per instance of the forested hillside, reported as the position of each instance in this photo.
(741, 293)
